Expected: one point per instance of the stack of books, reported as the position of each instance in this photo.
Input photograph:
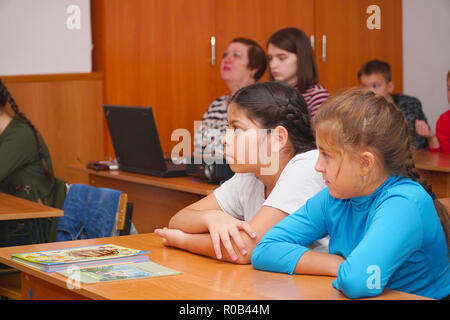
(93, 264)
(57, 260)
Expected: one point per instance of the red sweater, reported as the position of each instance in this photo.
(443, 132)
(314, 96)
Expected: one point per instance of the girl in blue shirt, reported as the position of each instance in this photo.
(386, 228)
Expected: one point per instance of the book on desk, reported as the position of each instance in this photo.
(57, 260)
(115, 272)
(93, 264)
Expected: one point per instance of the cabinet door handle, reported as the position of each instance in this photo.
(213, 51)
(312, 40)
(324, 48)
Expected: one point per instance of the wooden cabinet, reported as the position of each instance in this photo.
(350, 43)
(258, 20)
(158, 52)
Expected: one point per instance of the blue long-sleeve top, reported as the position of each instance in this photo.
(392, 239)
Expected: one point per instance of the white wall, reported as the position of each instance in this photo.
(35, 39)
(426, 54)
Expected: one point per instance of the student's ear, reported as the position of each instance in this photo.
(367, 162)
(391, 86)
(280, 138)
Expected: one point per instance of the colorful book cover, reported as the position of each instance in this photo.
(118, 272)
(77, 255)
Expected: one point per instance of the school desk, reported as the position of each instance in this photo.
(14, 208)
(434, 167)
(446, 202)
(202, 278)
(155, 199)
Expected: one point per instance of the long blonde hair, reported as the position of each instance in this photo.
(357, 118)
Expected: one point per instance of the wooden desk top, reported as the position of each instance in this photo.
(433, 161)
(202, 278)
(186, 184)
(14, 208)
(445, 202)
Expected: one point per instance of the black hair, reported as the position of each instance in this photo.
(6, 97)
(276, 103)
(374, 67)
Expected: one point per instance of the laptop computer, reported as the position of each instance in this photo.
(136, 142)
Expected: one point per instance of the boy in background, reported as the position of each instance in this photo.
(375, 75)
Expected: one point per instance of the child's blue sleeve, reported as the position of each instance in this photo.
(393, 235)
(284, 244)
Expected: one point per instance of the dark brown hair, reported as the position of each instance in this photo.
(357, 118)
(276, 103)
(374, 67)
(6, 97)
(296, 41)
(256, 56)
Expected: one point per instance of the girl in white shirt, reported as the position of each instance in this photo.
(270, 146)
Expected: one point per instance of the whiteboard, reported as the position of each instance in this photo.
(45, 37)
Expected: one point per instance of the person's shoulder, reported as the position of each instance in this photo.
(20, 129)
(302, 164)
(320, 87)
(308, 156)
(401, 98)
(444, 118)
(241, 180)
(217, 109)
(221, 100)
(400, 187)
(316, 89)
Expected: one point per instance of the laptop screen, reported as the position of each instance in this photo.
(135, 138)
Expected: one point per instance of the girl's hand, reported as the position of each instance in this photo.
(221, 227)
(171, 237)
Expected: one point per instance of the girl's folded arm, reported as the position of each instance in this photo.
(192, 219)
(393, 235)
(284, 248)
(203, 244)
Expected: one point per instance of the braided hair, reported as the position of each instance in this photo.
(357, 118)
(6, 97)
(274, 104)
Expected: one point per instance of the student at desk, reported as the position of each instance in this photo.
(25, 168)
(439, 142)
(291, 59)
(243, 63)
(375, 75)
(386, 228)
(268, 122)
